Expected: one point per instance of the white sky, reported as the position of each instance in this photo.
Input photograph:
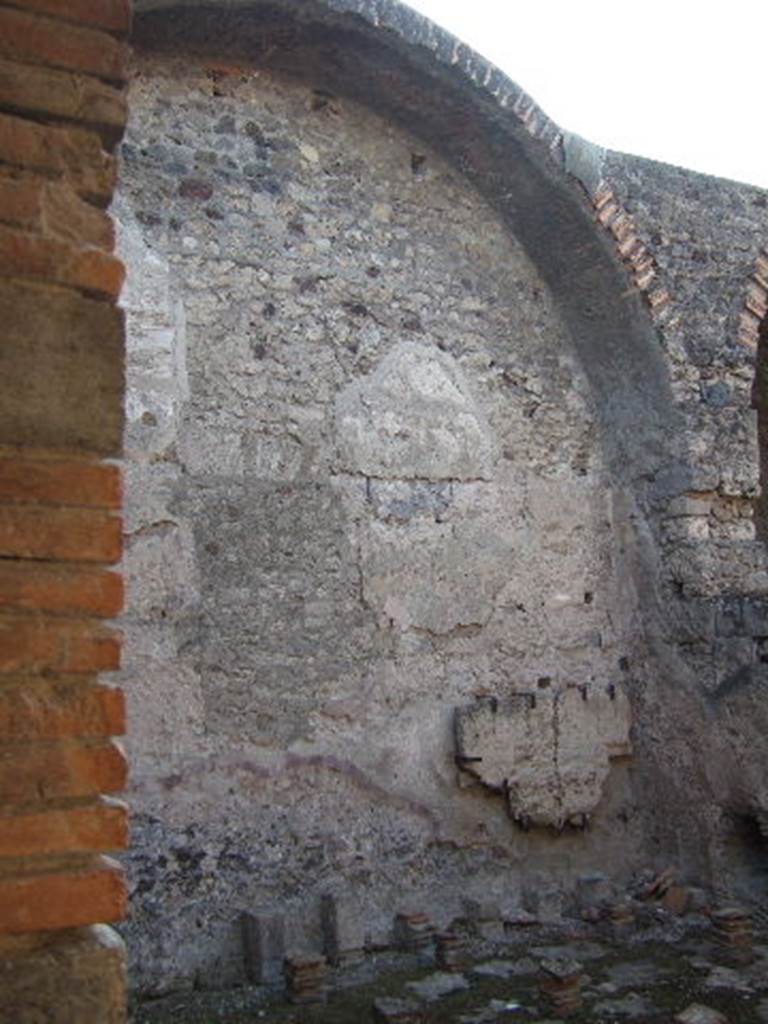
(679, 81)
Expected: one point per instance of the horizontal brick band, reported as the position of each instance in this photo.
(31, 644)
(66, 534)
(27, 36)
(62, 590)
(59, 770)
(51, 711)
(53, 208)
(47, 481)
(29, 88)
(74, 154)
(100, 827)
(63, 900)
(50, 259)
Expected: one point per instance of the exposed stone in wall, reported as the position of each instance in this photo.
(707, 237)
(377, 492)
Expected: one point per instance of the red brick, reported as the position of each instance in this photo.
(36, 645)
(38, 39)
(60, 534)
(60, 482)
(71, 899)
(62, 590)
(28, 88)
(88, 269)
(112, 15)
(95, 828)
(42, 710)
(71, 153)
(21, 202)
(67, 216)
(58, 770)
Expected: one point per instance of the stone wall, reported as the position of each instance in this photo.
(62, 110)
(707, 238)
(443, 577)
(365, 489)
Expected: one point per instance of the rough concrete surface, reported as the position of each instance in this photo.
(403, 439)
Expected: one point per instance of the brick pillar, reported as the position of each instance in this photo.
(62, 111)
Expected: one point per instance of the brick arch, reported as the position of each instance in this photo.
(753, 333)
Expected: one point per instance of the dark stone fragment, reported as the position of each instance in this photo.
(148, 218)
(225, 126)
(355, 308)
(195, 188)
(717, 395)
(269, 186)
(255, 133)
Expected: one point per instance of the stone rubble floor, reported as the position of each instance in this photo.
(641, 976)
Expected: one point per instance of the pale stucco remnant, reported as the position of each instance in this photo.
(548, 752)
(413, 418)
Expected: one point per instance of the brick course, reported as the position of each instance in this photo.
(58, 770)
(32, 644)
(101, 825)
(61, 590)
(88, 269)
(73, 535)
(73, 154)
(39, 39)
(45, 710)
(49, 481)
(60, 94)
(63, 899)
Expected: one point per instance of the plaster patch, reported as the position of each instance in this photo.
(548, 753)
(413, 418)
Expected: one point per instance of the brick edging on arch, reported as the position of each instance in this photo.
(629, 247)
(755, 305)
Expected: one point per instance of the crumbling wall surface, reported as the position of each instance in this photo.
(707, 238)
(366, 488)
